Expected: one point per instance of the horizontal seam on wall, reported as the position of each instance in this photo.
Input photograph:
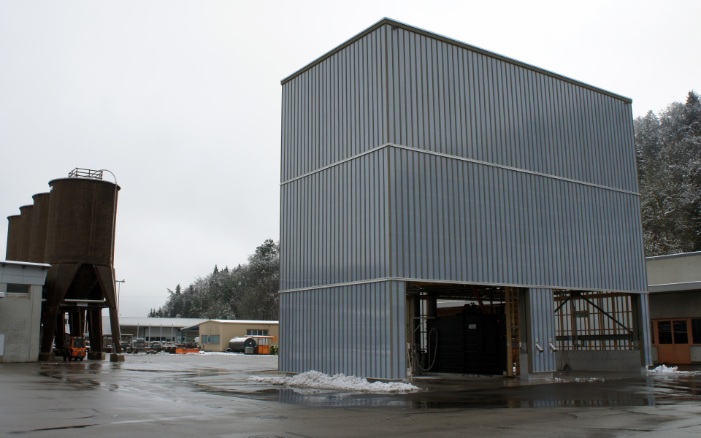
(469, 283)
(454, 157)
(337, 163)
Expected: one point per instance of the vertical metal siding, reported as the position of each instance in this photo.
(517, 228)
(336, 109)
(569, 131)
(541, 326)
(379, 179)
(646, 336)
(333, 228)
(354, 330)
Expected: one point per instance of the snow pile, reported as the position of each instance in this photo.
(588, 379)
(663, 369)
(317, 380)
(579, 380)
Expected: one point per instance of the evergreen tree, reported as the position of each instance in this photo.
(668, 149)
(249, 291)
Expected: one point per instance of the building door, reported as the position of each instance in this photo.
(471, 344)
(673, 341)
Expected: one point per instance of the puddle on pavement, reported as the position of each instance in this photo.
(435, 393)
(640, 391)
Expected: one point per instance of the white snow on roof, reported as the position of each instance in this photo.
(138, 321)
(241, 321)
(316, 380)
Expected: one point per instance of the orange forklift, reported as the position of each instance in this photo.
(74, 348)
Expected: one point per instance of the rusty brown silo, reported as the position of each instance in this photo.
(80, 232)
(14, 236)
(81, 221)
(26, 220)
(37, 238)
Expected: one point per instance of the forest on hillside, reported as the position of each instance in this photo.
(248, 291)
(668, 152)
(668, 149)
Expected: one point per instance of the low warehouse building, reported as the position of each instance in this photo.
(674, 282)
(21, 285)
(215, 334)
(158, 329)
(416, 168)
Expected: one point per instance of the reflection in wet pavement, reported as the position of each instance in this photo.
(487, 392)
(437, 392)
(214, 396)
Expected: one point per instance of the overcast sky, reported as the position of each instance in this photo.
(181, 101)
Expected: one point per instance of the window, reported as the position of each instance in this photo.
(17, 288)
(681, 335)
(696, 331)
(664, 332)
(673, 332)
(211, 339)
(256, 332)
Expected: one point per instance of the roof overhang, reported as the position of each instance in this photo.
(674, 287)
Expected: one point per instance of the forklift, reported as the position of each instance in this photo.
(74, 348)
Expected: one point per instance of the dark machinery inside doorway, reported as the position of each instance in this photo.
(462, 329)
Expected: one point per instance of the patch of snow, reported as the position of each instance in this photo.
(317, 380)
(663, 369)
(589, 379)
(217, 353)
(579, 380)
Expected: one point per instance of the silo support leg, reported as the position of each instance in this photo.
(95, 327)
(58, 280)
(49, 322)
(105, 276)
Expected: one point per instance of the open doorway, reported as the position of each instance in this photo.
(462, 329)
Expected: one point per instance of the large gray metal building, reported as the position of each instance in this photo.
(418, 171)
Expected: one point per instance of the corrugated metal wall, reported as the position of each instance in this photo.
(499, 173)
(643, 304)
(409, 157)
(541, 327)
(337, 109)
(454, 219)
(334, 224)
(460, 102)
(355, 330)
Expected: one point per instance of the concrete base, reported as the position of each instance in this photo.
(602, 360)
(115, 357)
(536, 376)
(96, 355)
(46, 357)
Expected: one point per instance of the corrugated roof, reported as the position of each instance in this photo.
(28, 264)
(151, 322)
(171, 322)
(242, 321)
(674, 256)
(396, 24)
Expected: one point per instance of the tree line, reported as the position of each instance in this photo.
(248, 291)
(668, 149)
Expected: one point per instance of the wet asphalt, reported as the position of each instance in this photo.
(211, 395)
